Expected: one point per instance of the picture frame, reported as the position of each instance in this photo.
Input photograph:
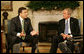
(6, 6)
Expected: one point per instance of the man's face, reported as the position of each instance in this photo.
(24, 13)
(65, 14)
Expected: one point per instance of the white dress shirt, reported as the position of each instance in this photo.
(18, 34)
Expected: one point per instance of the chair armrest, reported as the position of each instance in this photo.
(78, 38)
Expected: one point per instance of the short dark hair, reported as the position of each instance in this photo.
(20, 10)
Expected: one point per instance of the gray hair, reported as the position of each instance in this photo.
(69, 10)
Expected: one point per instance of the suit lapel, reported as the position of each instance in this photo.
(25, 25)
(19, 23)
(20, 26)
(63, 24)
(71, 23)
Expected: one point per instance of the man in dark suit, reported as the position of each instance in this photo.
(68, 28)
(21, 30)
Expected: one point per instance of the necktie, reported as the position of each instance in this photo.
(23, 29)
(66, 27)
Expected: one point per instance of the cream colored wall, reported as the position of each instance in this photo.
(16, 5)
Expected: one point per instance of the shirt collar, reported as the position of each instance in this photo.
(20, 18)
(67, 19)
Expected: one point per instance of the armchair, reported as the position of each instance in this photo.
(77, 43)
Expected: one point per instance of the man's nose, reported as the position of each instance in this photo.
(26, 13)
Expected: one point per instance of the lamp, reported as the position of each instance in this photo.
(5, 15)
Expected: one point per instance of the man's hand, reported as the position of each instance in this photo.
(22, 34)
(63, 35)
(34, 33)
(68, 36)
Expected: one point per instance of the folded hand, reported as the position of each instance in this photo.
(34, 33)
(22, 34)
(68, 36)
(63, 35)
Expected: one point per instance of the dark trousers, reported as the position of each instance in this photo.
(28, 39)
(56, 40)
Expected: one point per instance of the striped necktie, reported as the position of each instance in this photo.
(23, 29)
(66, 28)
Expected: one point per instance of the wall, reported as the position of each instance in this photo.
(16, 5)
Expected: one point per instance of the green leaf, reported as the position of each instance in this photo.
(50, 5)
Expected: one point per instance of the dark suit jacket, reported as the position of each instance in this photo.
(16, 28)
(74, 26)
